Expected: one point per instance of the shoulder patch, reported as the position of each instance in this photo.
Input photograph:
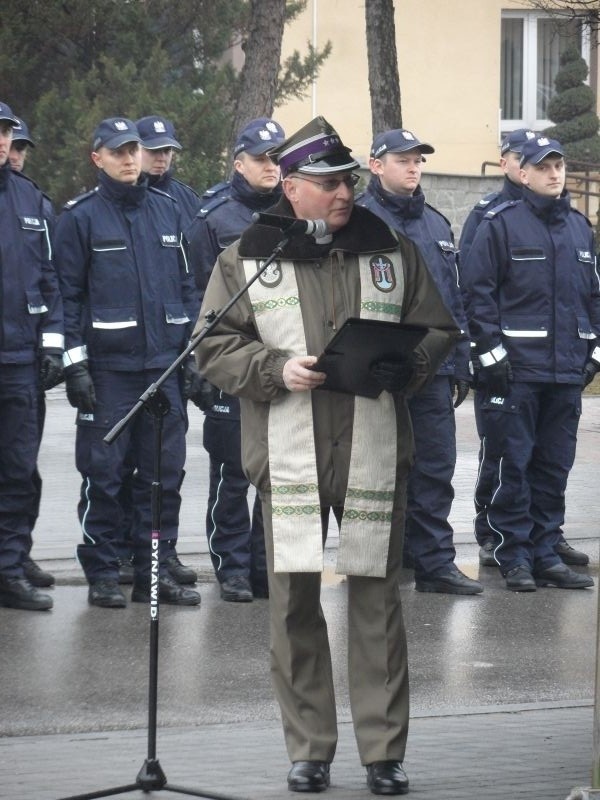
(211, 205)
(500, 208)
(487, 199)
(80, 198)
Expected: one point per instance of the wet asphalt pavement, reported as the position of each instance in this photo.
(80, 670)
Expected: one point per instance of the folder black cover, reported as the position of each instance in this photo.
(357, 345)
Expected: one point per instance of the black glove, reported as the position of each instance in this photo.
(393, 375)
(460, 389)
(589, 372)
(51, 370)
(80, 388)
(497, 377)
(194, 386)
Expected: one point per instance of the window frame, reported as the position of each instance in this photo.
(530, 86)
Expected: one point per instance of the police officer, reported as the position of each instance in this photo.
(19, 148)
(394, 194)
(129, 301)
(158, 145)
(533, 303)
(510, 155)
(236, 543)
(31, 345)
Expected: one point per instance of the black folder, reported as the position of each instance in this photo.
(359, 343)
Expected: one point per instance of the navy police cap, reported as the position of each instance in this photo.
(157, 132)
(514, 141)
(398, 140)
(21, 132)
(6, 115)
(536, 150)
(258, 136)
(114, 132)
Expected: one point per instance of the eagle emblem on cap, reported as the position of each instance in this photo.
(382, 273)
(120, 125)
(159, 126)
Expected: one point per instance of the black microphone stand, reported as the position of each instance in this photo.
(151, 776)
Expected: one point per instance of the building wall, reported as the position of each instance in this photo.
(449, 65)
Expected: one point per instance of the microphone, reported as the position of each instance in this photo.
(290, 225)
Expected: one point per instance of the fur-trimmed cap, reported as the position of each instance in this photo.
(316, 149)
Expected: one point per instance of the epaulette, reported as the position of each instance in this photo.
(76, 200)
(487, 199)
(185, 186)
(217, 189)
(500, 208)
(581, 214)
(211, 205)
(432, 208)
(161, 192)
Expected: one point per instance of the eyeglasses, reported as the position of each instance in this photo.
(332, 184)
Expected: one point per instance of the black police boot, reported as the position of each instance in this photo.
(106, 593)
(237, 589)
(520, 579)
(559, 576)
(450, 581)
(35, 574)
(179, 572)
(126, 570)
(486, 554)
(568, 554)
(169, 591)
(19, 593)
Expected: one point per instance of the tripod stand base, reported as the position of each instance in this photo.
(151, 778)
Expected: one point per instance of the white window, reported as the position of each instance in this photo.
(532, 44)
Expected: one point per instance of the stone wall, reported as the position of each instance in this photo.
(455, 195)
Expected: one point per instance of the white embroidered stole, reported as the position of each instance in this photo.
(365, 528)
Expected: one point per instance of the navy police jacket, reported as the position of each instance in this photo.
(220, 222)
(431, 232)
(509, 191)
(188, 200)
(129, 298)
(532, 290)
(30, 303)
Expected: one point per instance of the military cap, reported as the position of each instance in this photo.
(316, 149)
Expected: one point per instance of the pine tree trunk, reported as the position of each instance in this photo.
(384, 82)
(258, 78)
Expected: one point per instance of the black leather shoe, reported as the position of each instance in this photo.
(486, 554)
(19, 593)
(36, 575)
(560, 576)
(569, 555)
(237, 589)
(451, 581)
(520, 579)
(387, 777)
(106, 594)
(126, 570)
(179, 572)
(169, 591)
(308, 776)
